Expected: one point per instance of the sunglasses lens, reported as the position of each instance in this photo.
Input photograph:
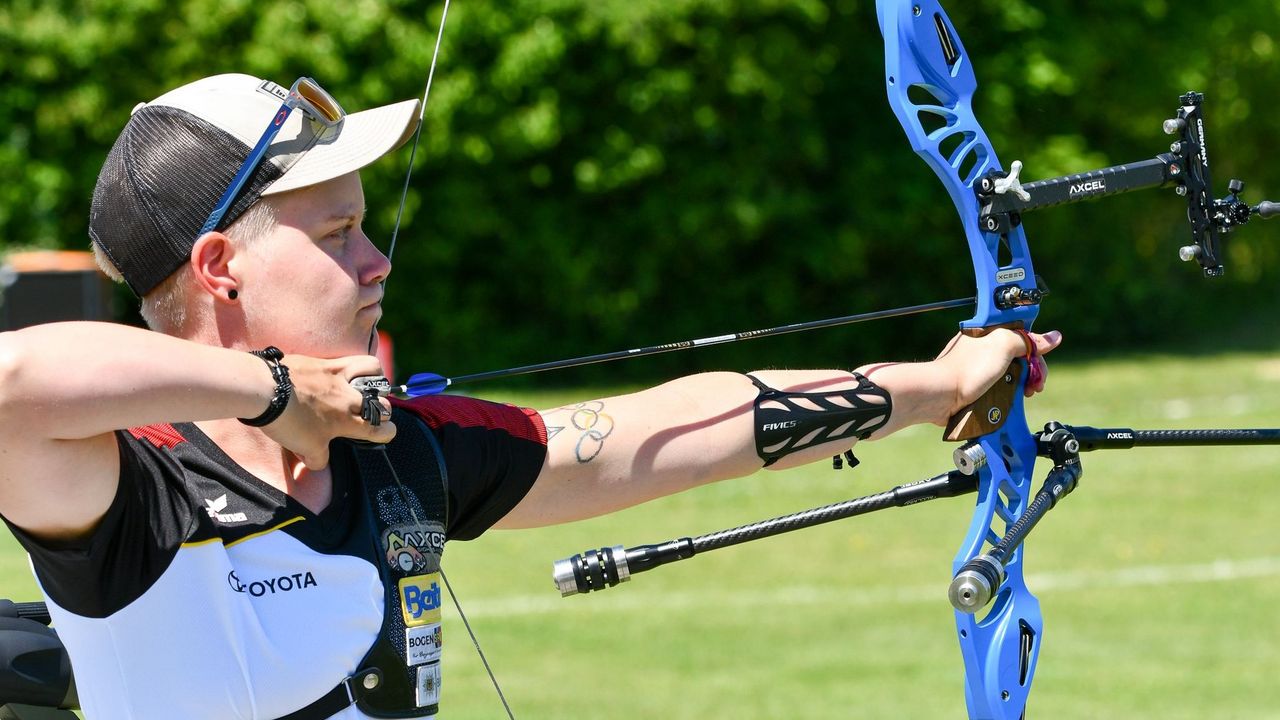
(319, 100)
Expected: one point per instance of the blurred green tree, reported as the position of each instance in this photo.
(596, 175)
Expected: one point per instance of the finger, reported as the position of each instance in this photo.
(356, 366)
(1046, 342)
(1024, 346)
(382, 434)
(355, 402)
(1041, 374)
(374, 410)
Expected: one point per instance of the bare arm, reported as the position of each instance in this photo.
(612, 453)
(65, 387)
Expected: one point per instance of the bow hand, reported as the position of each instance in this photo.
(986, 365)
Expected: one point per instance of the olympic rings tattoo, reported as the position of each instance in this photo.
(593, 424)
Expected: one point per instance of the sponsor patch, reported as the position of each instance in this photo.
(272, 585)
(428, 690)
(423, 643)
(408, 549)
(420, 599)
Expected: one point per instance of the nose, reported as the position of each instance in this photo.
(374, 266)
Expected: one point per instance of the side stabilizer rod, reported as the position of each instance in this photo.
(604, 568)
(1092, 438)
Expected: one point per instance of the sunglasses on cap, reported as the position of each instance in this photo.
(305, 95)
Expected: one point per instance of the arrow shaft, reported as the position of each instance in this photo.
(706, 341)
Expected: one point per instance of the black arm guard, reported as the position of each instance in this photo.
(787, 422)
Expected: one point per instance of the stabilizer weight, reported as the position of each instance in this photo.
(606, 567)
(979, 580)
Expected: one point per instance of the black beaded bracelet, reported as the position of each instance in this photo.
(272, 356)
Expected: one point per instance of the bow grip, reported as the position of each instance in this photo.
(988, 413)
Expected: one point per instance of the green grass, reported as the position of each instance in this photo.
(850, 620)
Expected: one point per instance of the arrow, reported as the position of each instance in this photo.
(432, 384)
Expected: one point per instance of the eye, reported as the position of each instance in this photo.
(340, 234)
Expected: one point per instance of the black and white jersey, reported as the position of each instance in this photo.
(206, 593)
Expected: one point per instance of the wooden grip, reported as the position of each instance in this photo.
(987, 413)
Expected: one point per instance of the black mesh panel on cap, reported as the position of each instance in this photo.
(160, 182)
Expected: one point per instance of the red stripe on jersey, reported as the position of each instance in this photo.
(438, 410)
(162, 436)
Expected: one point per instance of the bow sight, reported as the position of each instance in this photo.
(1186, 166)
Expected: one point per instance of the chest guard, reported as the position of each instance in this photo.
(406, 506)
(407, 502)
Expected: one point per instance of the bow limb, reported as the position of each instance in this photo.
(930, 82)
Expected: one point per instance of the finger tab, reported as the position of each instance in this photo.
(1035, 375)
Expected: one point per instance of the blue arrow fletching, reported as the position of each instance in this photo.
(425, 384)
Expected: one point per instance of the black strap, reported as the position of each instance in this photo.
(341, 697)
(418, 507)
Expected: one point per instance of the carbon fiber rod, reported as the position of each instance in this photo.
(1092, 438)
(606, 567)
(945, 485)
(431, 383)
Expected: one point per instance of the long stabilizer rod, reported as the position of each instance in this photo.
(606, 567)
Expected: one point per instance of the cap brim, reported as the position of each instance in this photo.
(363, 138)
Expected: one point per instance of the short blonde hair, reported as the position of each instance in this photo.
(166, 308)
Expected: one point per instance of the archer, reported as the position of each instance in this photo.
(209, 505)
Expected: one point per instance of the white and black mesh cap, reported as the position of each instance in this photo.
(179, 152)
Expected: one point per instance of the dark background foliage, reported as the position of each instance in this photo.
(600, 175)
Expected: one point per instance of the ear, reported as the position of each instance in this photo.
(212, 266)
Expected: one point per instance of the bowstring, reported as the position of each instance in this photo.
(413, 154)
(407, 499)
(417, 135)
(373, 338)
